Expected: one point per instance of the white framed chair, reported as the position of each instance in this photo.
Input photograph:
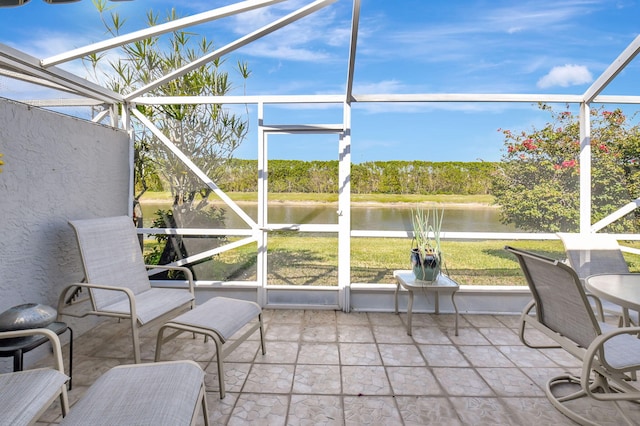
(590, 254)
(26, 395)
(609, 355)
(117, 279)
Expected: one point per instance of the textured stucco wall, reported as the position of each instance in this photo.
(56, 168)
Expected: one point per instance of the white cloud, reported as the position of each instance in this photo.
(310, 39)
(385, 86)
(567, 75)
(283, 52)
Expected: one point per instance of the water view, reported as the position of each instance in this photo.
(378, 217)
(314, 261)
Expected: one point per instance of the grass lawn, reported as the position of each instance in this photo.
(309, 260)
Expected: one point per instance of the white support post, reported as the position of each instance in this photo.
(344, 174)
(115, 119)
(262, 209)
(585, 168)
(126, 125)
(344, 211)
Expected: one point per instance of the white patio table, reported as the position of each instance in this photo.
(443, 283)
(621, 289)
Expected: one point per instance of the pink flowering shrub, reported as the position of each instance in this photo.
(537, 183)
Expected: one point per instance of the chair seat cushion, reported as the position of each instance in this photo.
(621, 352)
(222, 315)
(153, 303)
(166, 393)
(25, 395)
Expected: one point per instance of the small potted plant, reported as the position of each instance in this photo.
(426, 255)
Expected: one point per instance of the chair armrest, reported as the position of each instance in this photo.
(98, 286)
(187, 273)
(125, 290)
(598, 304)
(53, 339)
(592, 356)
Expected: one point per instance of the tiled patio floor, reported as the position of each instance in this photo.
(326, 367)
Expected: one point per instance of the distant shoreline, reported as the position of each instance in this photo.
(399, 204)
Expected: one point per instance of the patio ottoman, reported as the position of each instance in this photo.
(219, 318)
(165, 393)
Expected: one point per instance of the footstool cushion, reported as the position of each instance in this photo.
(223, 315)
(165, 393)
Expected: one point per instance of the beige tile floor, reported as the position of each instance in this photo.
(332, 368)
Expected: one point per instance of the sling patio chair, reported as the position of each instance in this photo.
(26, 395)
(591, 254)
(609, 355)
(117, 279)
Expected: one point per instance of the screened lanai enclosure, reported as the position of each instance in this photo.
(247, 259)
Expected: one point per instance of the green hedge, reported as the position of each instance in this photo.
(377, 177)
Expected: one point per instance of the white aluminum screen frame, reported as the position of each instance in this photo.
(19, 65)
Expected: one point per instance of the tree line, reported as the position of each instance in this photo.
(375, 177)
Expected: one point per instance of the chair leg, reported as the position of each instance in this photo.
(64, 401)
(136, 341)
(525, 318)
(523, 322)
(558, 402)
(205, 407)
(159, 342)
(220, 356)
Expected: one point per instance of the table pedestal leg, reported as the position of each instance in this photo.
(625, 317)
(409, 312)
(456, 309)
(17, 360)
(396, 298)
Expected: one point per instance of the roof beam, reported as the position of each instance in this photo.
(267, 29)
(355, 20)
(383, 97)
(467, 97)
(69, 102)
(177, 24)
(25, 64)
(31, 79)
(616, 99)
(612, 70)
(304, 128)
(254, 99)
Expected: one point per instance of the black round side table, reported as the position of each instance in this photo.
(19, 346)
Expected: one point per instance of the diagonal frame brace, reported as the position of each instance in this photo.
(194, 168)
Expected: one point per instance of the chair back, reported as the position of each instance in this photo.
(111, 255)
(561, 303)
(590, 254)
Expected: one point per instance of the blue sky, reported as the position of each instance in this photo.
(408, 46)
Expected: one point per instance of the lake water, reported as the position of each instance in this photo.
(378, 217)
